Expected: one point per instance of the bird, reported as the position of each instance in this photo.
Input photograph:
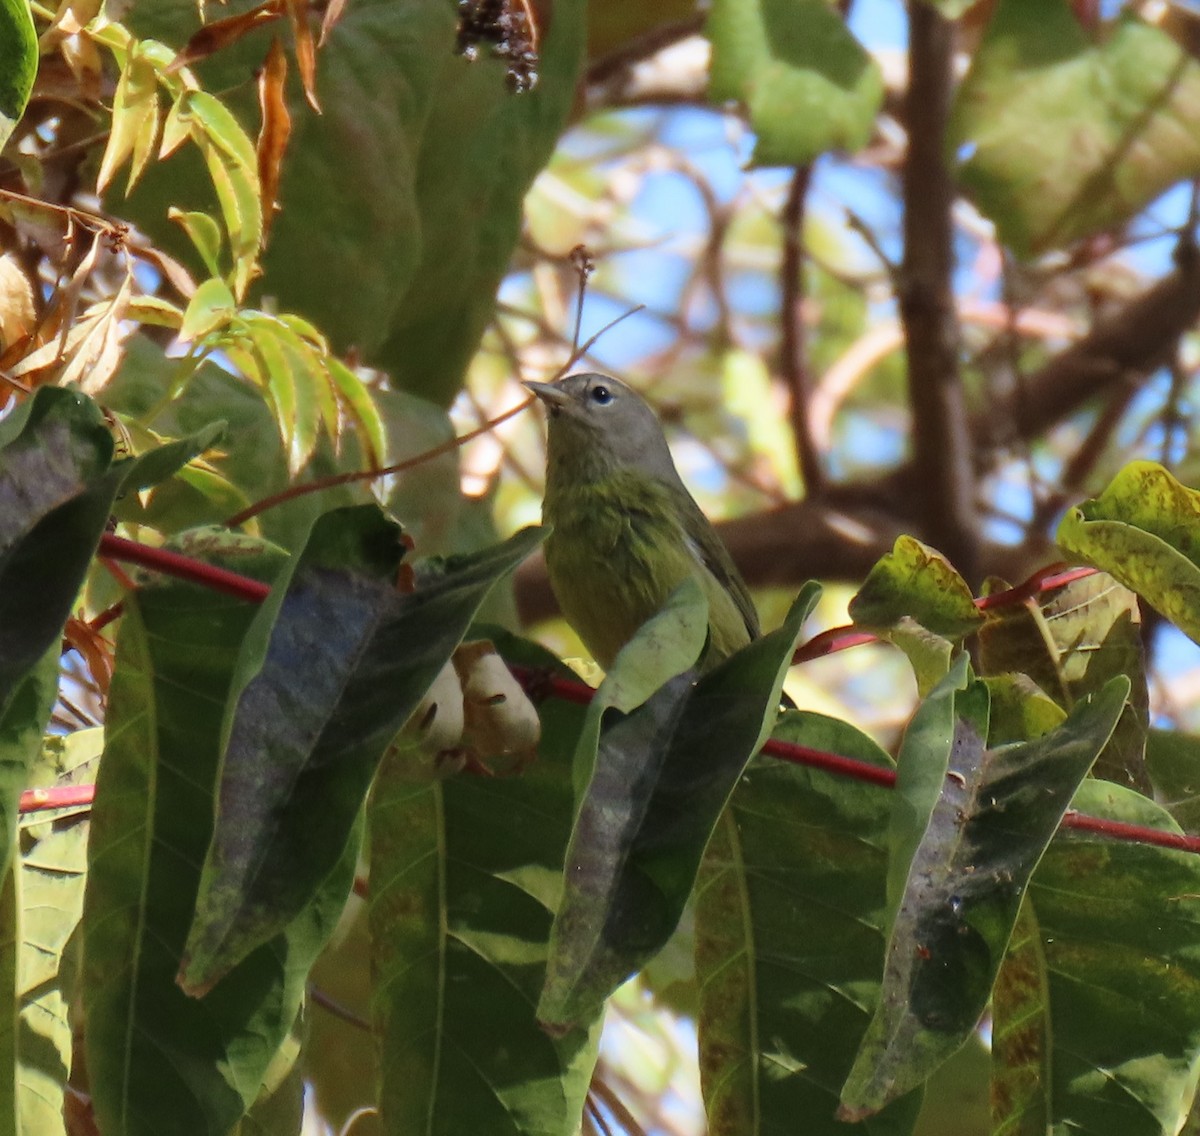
(625, 531)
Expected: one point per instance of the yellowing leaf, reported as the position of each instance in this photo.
(135, 121)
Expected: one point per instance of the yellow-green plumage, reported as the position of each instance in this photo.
(626, 532)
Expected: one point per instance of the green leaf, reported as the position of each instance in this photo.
(204, 233)
(57, 482)
(1070, 643)
(1173, 763)
(294, 381)
(163, 461)
(22, 722)
(1021, 1043)
(336, 662)
(666, 645)
(986, 832)
(18, 62)
(924, 759)
(1020, 709)
(916, 581)
(1144, 530)
(1120, 924)
(662, 775)
(394, 248)
(211, 307)
(250, 463)
(808, 84)
(1114, 122)
(158, 1060)
(790, 919)
(362, 408)
(465, 876)
(52, 876)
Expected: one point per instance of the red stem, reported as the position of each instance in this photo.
(836, 639)
(183, 568)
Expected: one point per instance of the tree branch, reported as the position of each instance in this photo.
(793, 354)
(1127, 345)
(941, 439)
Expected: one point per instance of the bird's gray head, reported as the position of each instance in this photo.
(597, 424)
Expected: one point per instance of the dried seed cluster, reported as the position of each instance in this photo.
(506, 26)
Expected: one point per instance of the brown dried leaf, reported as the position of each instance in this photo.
(221, 33)
(173, 272)
(18, 314)
(98, 353)
(306, 51)
(276, 129)
(96, 651)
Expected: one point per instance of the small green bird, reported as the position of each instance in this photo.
(626, 532)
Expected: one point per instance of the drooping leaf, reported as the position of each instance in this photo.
(1070, 642)
(465, 876)
(1120, 924)
(336, 662)
(987, 830)
(809, 86)
(135, 121)
(1113, 122)
(57, 484)
(790, 935)
(661, 777)
(158, 1060)
(18, 62)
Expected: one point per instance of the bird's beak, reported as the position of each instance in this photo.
(551, 394)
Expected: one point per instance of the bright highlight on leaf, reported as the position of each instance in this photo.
(1115, 123)
(807, 83)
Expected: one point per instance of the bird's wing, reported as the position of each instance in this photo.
(713, 554)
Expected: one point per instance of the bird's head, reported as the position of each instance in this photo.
(599, 422)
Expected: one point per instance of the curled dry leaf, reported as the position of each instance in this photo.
(96, 651)
(211, 38)
(306, 50)
(275, 131)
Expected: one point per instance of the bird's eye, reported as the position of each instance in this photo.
(602, 396)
